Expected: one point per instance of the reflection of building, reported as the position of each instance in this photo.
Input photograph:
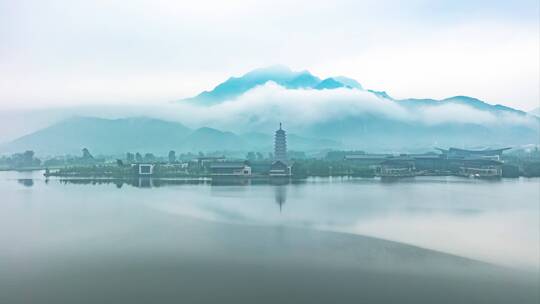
(144, 183)
(280, 145)
(27, 182)
(228, 168)
(280, 195)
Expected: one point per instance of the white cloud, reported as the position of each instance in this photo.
(263, 107)
(84, 52)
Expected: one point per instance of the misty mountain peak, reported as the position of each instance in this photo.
(328, 84)
(282, 75)
(271, 71)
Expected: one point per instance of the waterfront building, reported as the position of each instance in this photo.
(482, 168)
(260, 167)
(369, 160)
(456, 153)
(397, 167)
(429, 163)
(204, 161)
(280, 145)
(144, 169)
(230, 168)
(477, 163)
(280, 168)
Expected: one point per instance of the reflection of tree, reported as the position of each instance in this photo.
(280, 195)
(143, 182)
(27, 182)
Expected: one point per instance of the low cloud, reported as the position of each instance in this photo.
(264, 106)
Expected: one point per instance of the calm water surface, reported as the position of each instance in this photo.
(92, 242)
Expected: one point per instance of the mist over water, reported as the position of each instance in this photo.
(66, 235)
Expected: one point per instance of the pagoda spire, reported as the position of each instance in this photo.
(280, 145)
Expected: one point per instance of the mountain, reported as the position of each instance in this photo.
(462, 100)
(349, 82)
(236, 86)
(208, 139)
(329, 84)
(100, 135)
(379, 133)
(535, 112)
(510, 127)
(142, 134)
(285, 77)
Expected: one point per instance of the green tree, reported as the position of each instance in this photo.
(251, 156)
(28, 157)
(149, 157)
(299, 170)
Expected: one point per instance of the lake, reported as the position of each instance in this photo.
(323, 240)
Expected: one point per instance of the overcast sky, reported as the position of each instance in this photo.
(69, 52)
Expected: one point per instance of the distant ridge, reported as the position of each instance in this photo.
(463, 100)
(143, 134)
(285, 77)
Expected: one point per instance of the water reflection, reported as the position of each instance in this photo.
(147, 182)
(280, 192)
(27, 182)
(179, 243)
(135, 182)
(467, 217)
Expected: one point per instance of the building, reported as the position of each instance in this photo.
(456, 153)
(144, 169)
(230, 168)
(280, 168)
(280, 145)
(485, 163)
(204, 161)
(429, 163)
(260, 167)
(481, 168)
(398, 167)
(368, 160)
